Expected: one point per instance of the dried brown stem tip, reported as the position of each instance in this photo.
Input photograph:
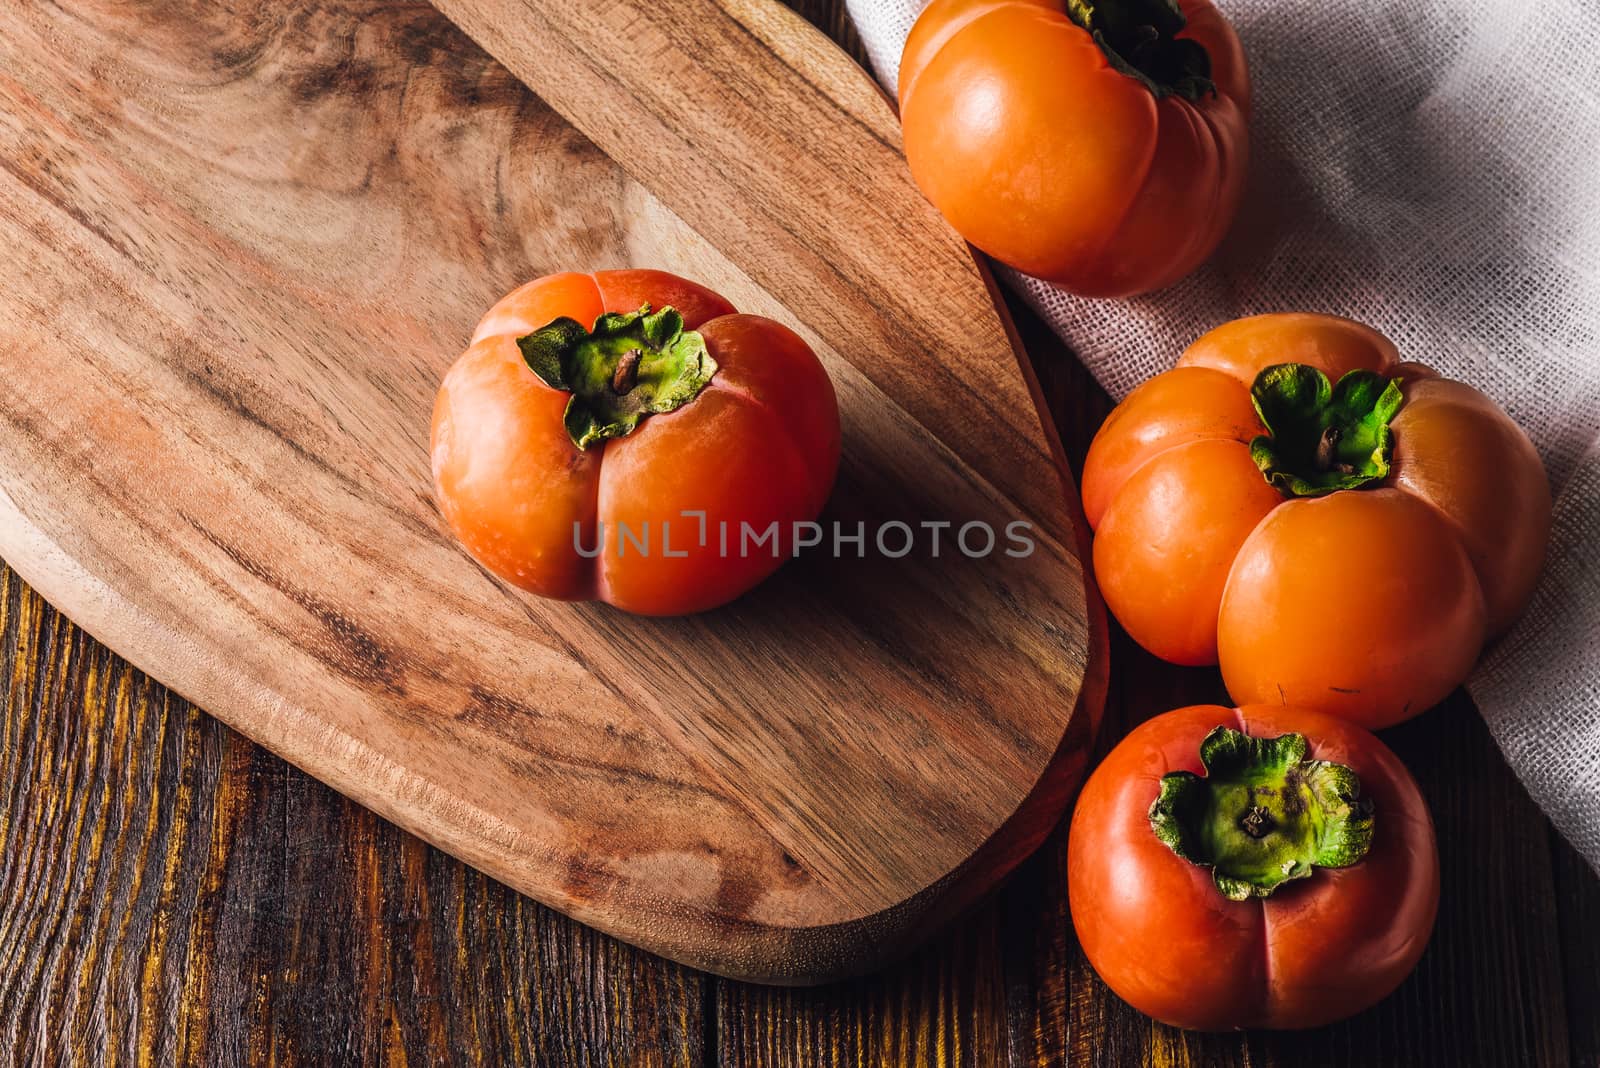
(627, 372)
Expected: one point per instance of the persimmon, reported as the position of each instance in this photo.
(1099, 144)
(1264, 866)
(1338, 529)
(626, 436)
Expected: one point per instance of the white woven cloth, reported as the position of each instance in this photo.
(1430, 167)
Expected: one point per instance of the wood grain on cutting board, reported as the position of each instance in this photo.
(229, 301)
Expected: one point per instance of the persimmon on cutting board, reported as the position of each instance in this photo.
(626, 436)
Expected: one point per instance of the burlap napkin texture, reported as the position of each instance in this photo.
(1430, 167)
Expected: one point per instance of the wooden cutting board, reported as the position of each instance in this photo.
(242, 241)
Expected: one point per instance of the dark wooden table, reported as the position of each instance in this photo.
(171, 894)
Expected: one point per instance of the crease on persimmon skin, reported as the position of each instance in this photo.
(628, 289)
(811, 429)
(1185, 166)
(1334, 345)
(754, 356)
(533, 305)
(922, 44)
(759, 480)
(1488, 497)
(1214, 407)
(1166, 547)
(1403, 854)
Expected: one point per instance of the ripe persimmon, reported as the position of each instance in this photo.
(1099, 144)
(1339, 530)
(605, 432)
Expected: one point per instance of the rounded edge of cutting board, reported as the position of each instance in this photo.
(809, 956)
(186, 549)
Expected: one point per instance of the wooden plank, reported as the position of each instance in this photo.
(946, 1005)
(172, 894)
(241, 250)
(1578, 908)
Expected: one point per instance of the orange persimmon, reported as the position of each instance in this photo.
(1099, 144)
(613, 435)
(1254, 867)
(1340, 530)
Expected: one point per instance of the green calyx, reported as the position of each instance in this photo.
(1263, 814)
(1139, 38)
(630, 365)
(1321, 437)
